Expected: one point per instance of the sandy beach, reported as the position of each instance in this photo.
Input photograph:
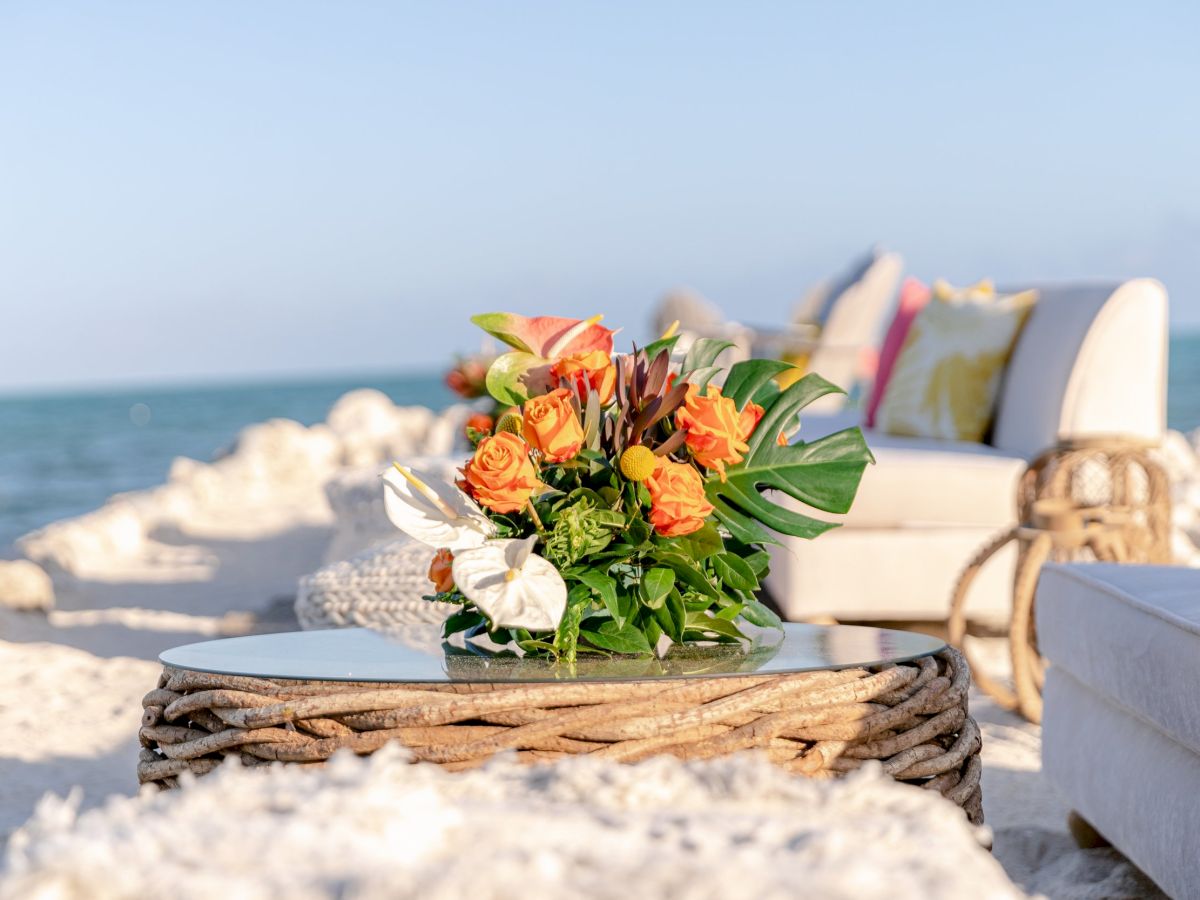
(74, 675)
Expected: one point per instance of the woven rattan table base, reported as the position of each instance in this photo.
(912, 717)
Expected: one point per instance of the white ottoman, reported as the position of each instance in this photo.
(1121, 726)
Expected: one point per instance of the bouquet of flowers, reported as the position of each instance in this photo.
(649, 484)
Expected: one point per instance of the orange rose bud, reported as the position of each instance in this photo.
(591, 371)
(751, 416)
(715, 429)
(677, 501)
(500, 475)
(439, 571)
(552, 426)
(480, 422)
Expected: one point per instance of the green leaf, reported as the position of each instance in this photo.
(656, 347)
(566, 638)
(686, 571)
(606, 587)
(758, 614)
(619, 640)
(461, 621)
(759, 561)
(746, 378)
(701, 377)
(698, 545)
(504, 376)
(823, 474)
(637, 533)
(655, 585)
(734, 572)
(705, 623)
(703, 353)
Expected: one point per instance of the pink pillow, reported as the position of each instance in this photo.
(913, 297)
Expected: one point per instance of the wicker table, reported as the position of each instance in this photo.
(819, 701)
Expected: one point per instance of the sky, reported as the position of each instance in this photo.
(192, 191)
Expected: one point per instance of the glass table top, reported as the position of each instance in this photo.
(418, 654)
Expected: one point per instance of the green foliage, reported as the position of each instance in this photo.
(628, 588)
(823, 474)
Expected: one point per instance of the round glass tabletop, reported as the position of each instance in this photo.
(417, 654)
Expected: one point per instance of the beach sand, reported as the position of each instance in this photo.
(74, 679)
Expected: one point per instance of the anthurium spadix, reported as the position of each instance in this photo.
(512, 585)
(433, 512)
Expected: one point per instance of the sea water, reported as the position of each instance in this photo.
(64, 454)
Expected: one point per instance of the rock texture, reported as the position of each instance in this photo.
(273, 478)
(381, 827)
(25, 585)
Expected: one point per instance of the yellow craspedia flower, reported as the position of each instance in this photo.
(511, 423)
(638, 463)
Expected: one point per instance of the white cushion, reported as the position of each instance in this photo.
(1137, 787)
(1091, 361)
(924, 481)
(1131, 634)
(889, 573)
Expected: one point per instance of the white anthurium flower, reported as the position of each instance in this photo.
(511, 585)
(433, 512)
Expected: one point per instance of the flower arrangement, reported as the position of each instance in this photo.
(648, 482)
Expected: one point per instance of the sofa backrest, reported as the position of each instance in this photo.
(856, 322)
(1090, 362)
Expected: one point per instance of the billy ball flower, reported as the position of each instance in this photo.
(638, 463)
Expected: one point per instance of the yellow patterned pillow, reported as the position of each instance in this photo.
(947, 376)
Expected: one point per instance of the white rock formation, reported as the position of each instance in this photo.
(381, 827)
(25, 585)
(273, 478)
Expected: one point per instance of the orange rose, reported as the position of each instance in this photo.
(593, 371)
(439, 571)
(715, 429)
(677, 502)
(552, 426)
(500, 475)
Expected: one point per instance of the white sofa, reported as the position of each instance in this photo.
(1090, 362)
(1121, 723)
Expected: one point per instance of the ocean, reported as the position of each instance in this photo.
(63, 454)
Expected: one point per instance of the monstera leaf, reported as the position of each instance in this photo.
(823, 474)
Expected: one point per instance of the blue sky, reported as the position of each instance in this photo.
(218, 190)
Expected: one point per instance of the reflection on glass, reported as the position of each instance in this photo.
(417, 654)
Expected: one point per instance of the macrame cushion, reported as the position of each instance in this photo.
(382, 588)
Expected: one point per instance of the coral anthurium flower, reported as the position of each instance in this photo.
(433, 512)
(591, 371)
(539, 342)
(549, 337)
(677, 501)
(715, 429)
(552, 426)
(439, 571)
(511, 585)
(500, 475)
